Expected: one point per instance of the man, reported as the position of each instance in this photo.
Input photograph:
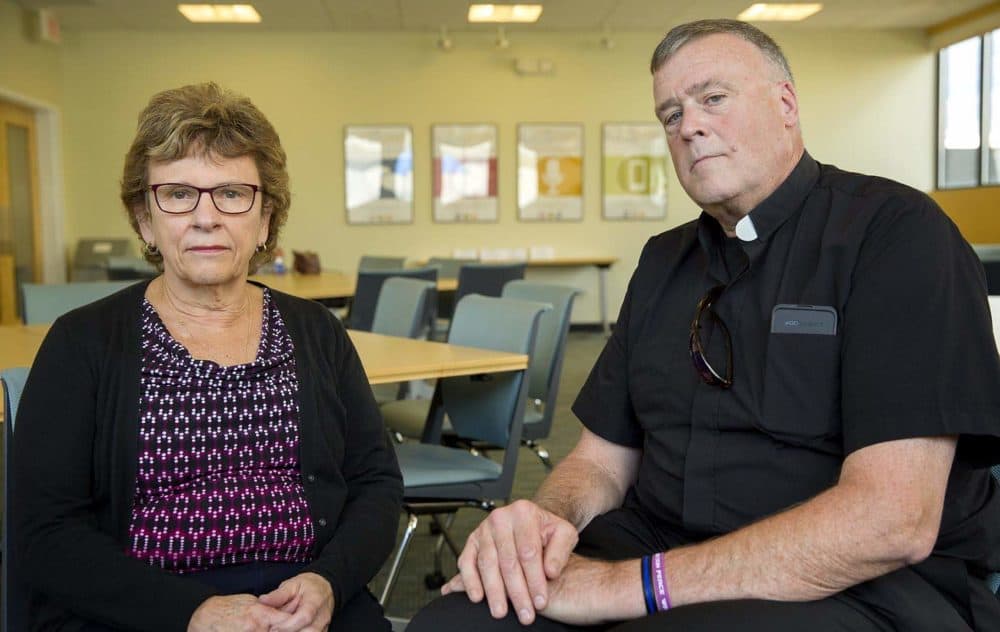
(809, 452)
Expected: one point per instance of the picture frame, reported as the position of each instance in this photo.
(633, 171)
(464, 186)
(378, 174)
(550, 172)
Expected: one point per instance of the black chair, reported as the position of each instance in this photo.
(486, 279)
(370, 263)
(130, 268)
(13, 594)
(448, 267)
(369, 285)
(993, 579)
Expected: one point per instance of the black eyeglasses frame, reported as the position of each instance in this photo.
(696, 349)
(211, 195)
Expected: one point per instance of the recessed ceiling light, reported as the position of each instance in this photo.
(504, 12)
(238, 13)
(768, 12)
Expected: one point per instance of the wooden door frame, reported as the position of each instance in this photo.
(50, 186)
(24, 117)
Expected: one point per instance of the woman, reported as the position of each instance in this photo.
(199, 452)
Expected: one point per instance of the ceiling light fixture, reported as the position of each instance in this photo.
(769, 12)
(504, 13)
(220, 13)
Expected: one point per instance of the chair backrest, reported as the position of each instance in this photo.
(491, 407)
(369, 262)
(550, 347)
(487, 279)
(369, 286)
(43, 303)
(993, 579)
(401, 309)
(448, 267)
(13, 594)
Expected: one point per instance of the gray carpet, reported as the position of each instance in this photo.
(410, 593)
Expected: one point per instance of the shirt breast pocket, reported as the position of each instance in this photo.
(802, 388)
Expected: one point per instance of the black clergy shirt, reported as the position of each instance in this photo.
(913, 355)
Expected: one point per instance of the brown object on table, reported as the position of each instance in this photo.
(306, 262)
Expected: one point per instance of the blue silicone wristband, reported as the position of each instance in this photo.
(647, 585)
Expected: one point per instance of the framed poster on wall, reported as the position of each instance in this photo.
(465, 173)
(634, 165)
(378, 174)
(549, 172)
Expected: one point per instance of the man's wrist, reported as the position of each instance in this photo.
(630, 601)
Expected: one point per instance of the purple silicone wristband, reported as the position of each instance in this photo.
(659, 577)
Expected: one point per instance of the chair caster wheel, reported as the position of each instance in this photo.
(434, 580)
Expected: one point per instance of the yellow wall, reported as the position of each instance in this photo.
(975, 211)
(28, 68)
(866, 97)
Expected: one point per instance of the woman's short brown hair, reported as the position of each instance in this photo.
(204, 119)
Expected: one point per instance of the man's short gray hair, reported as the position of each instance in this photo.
(687, 33)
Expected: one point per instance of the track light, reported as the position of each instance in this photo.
(444, 42)
(502, 41)
(607, 42)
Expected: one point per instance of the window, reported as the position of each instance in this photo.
(969, 113)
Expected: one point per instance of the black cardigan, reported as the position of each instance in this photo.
(75, 469)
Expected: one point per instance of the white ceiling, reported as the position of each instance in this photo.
(426, 15)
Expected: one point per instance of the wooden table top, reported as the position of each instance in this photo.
(554, 262)
(392, 359)
(324, 284)
(386, 358)
(570, 262)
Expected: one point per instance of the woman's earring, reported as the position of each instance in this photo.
(260, 248)
(150, 248)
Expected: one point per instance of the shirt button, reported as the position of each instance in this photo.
(321, 522)
(311, 478)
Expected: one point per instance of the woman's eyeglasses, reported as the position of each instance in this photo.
(708, 374)
(231, 199)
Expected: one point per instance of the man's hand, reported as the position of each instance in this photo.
(513, 554)
(307, 600)
(236, 613)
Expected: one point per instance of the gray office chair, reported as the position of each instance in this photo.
(43, 303)
(547, 360)
(366, 293)
(371, 263)
(407, 418)
(13, 594)
(441, 480)
(402, 310)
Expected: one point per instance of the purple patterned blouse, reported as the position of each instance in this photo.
(218, 480)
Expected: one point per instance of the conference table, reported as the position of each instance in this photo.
(386, 358)
(325, 285)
